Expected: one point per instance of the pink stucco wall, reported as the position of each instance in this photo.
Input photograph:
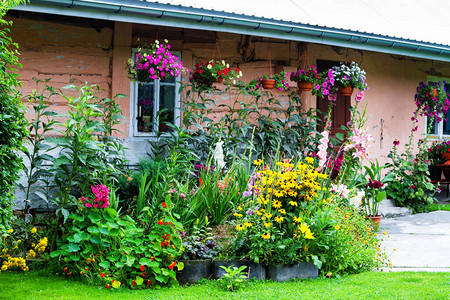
(74, 54)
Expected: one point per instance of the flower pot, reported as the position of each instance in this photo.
(435, 172)
(194, 270)
(282, 272)
(346, 90)
(257, 271)
(434, 93)
(268, 84)
(219, 80)
(375, 221)
(304, 86)
(446, 156)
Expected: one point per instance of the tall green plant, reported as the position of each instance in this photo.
(12, 120)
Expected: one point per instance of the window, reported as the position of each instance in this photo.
(440, 130)
(153, 105)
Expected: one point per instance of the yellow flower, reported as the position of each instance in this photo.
(309, 160)
(276, 203)
(279, 219)
(293, 203)
(268, 216)
(4, 267)
(265, 236)
(337, 227)
(297, 219)
(384, 232)
(238, 215)
(239, 208)
(248, 224)
(267, 225)
(282, 211)
(303, 227)
(240, 227)
(257, 162)
(309, 235)
(33, 230)
(11, 231)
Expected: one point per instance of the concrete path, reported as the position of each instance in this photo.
(421, 242)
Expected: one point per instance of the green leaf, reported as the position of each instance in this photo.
(139, 280)
(54, 254)
(74, 258)
(130, 260)
(80, 236)
(95, 240)
(105, 264)
(316, 261)
(119, 264)
(62, 160)
(160, 278)
(95, 218)
(74, 247)
(104, 231)
(180, 266)
(93, 230)
(340, 136)
(114, 232)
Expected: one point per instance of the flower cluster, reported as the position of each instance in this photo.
(434, 152)
(310, 75)
(432, 100)
(40, 247)
(352, 75)
(155, 63)
(281, 80)
(15, 263)
(323, 146)
(206, 74)
(101, 199)
(359, 141)
(274, 212)
(325, 86)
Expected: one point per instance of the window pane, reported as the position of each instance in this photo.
(169, 79)
(433, 129)
(166, 106)
(145, 107)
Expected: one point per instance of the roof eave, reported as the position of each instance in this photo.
(184, 17)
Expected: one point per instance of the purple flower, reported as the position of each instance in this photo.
(396, 143)
(250, 212)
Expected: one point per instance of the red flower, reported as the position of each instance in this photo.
(160, 222)
(219, 73)
(237, 70)
(87, 269)
(134, 282)
(142, 268)
(68, 274)
(107, 286)
(172, 265)
(152, 258)
(167, 242)
(65, 270)
(164, 205)
(201, 71)
(149, 282)
(162, 244)
(102, 275)
(201, 181)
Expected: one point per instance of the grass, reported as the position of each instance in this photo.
(437, 206)
(369, 285)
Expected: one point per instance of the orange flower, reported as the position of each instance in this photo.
(107, 286)
(201, 181)
(134, 282)
(162, 244)
(102, 275)
(164, 205)
(172, 265)
(152, 258)
(160, 222)
(142, 268)
(65, 270)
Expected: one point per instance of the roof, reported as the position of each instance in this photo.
(404, 27)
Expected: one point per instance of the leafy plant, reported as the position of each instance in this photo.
(234, 278)
(309, 75)
(432, 99)
(352, 75)
(205, 74)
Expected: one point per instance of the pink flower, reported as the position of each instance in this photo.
(396, 143)
(359, 96)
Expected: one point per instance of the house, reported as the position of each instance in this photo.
(398, 43)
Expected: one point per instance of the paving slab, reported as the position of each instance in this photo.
(418, 242)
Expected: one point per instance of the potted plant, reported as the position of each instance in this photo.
(432, 99)
(348, 77)
(199, 249)
(278, 81)
(373, 183)
(436, 155)
(154, 62)
(306, 78)
(205, 74)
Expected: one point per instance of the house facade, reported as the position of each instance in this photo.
(73, 42)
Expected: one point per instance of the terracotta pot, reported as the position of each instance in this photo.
(375, 221)
(346, 90)
(434, 93)
(446, 155)
(304, 86)
(268, 84)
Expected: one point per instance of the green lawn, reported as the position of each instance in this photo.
(437, 206)
(369, 285)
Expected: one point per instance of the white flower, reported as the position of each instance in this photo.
(228, 65)
(240, 73)
(209, 66)
(218, 155)
(156, 42)
(166, 41)
(357, 199)
(223, 62)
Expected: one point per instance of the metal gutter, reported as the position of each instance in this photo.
(150, 13)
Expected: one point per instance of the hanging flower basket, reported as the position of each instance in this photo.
(432, 99)
(205, 74)
(268, 84)
(155, 62)
(346, 90)
(304, 86)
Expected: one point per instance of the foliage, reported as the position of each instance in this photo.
(411, 186)
(432, 100)
(352, 75)
(21, 243)
(41, 125)
(13, 125)
(372, 182)
(274, 225)
(102, 247)
(234, 278)
(309, 75)
(154, 62)
(200, 244)
(434, 153)
(205, 74)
